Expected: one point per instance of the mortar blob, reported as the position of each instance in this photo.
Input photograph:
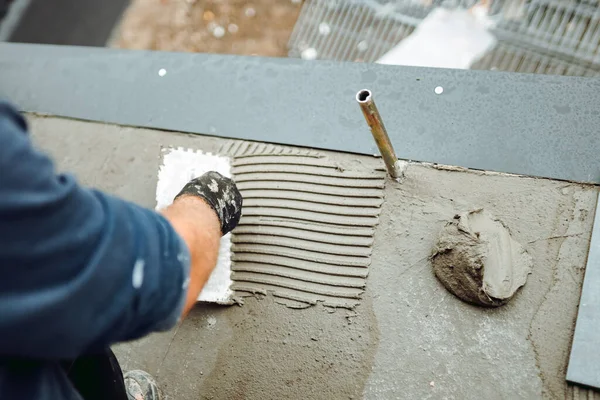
(477, 259)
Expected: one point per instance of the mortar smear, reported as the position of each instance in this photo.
(477, 259)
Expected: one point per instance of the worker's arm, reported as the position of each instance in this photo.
(80, 269)
(202, 237)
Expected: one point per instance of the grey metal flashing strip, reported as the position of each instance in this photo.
(518, 123)
(584, 362)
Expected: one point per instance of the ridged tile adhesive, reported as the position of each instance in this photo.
(307, 227)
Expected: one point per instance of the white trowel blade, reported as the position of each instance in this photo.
(179, 166)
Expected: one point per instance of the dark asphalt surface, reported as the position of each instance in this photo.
(69, 22)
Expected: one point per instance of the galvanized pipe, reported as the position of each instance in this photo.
(367, 105)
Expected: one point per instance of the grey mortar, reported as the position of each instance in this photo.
(306, 233)
(477, 259)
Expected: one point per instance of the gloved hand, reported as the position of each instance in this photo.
(221, 194)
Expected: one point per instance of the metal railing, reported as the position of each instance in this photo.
(538, 36)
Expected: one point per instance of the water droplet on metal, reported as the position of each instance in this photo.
(324, 28)
(309, 54)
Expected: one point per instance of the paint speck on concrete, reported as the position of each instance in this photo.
(162, 72)
(212, 321)
(438, 90)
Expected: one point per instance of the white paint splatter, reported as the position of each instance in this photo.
(183, 257)
(213, 186)
(137, 277)
(162, 72)
(438, 90)
(212, 321)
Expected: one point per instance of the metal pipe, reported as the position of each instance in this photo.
(367, 105)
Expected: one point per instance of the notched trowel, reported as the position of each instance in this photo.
(179, 166)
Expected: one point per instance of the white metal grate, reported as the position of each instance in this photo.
(538, 36)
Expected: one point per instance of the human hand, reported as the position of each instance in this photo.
(221, 194)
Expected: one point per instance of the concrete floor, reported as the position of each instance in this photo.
(408, 338)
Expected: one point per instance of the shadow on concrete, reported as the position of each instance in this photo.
(69, 22)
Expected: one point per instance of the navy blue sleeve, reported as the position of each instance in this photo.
(79, 269)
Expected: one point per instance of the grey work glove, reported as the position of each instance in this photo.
(221, 194)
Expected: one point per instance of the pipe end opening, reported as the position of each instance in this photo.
(363, 96)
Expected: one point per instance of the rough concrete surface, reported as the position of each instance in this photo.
(408, 338)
